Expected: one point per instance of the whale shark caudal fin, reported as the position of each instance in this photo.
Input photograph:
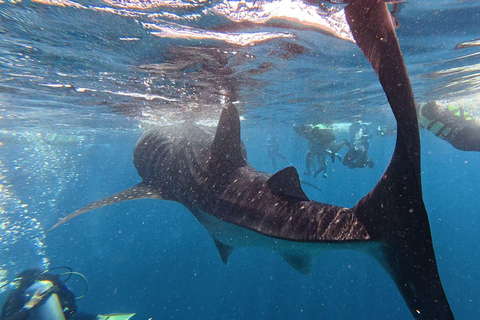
(394, 211)
(139, 191)
(374, 32)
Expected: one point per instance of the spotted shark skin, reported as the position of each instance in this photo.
(207, 171)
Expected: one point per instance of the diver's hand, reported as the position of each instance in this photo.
(36, 299)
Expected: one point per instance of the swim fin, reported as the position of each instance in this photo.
(115, 316)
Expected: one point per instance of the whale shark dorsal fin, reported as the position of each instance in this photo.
(223, 249)
(139, 191)
(301, 263)
(287, 182)
(227, 147)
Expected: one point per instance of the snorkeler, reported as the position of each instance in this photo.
(322, 143)
(274, 151)
(357, 154)
(450, 123)
(41, 295)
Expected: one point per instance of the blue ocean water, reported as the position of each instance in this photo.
(81, 80)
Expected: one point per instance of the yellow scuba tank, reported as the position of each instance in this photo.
(50, 309)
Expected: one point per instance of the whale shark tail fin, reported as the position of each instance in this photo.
(139, 191)
(394, 212)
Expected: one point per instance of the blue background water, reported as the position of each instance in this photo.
(74, 100)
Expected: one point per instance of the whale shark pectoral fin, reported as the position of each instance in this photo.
(287, 182)
(223, 249)
(301, 263)
(139, 191)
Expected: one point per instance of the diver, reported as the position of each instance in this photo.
(42, 295)
(274, 151)
(322, 143)
(357, 154)
(450, 123)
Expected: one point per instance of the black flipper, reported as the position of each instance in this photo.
(311, 185)
(394, 212)
(139, 191)
(287, 182)
(301, 263)
(224, 250)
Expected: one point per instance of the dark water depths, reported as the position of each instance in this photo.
(80, 81)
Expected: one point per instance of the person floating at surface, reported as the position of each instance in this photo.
(357, 154)
(41, 295)
(322, 143)
(450, 123)
(274, 151)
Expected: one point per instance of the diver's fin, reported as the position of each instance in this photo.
(223, 249)
(287, 182)
(311, 185)
(301, 263)
(227, 153)
(332, 156)
(139, 191)
(115, 316)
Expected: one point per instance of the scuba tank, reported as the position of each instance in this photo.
(50, 308)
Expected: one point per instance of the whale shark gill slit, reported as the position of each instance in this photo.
(209, 174)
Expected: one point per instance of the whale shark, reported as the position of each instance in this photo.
(206, 170)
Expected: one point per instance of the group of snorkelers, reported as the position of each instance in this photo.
(322, 143)
(447, 121)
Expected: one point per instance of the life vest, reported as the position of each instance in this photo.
(435, 118)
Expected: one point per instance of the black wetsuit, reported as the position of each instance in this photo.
(322, 143)
(356, 156)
